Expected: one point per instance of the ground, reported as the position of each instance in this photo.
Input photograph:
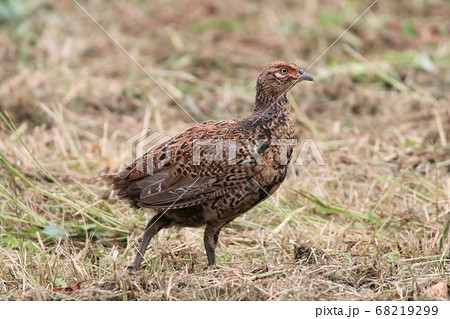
(371, 224)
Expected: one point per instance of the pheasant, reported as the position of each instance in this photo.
(214, 172)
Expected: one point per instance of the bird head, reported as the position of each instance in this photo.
(278, 77)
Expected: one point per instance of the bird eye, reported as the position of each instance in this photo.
(284, 71)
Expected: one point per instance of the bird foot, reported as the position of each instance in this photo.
(131, 268)
(211, 266)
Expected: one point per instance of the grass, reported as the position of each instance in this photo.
(372, 224)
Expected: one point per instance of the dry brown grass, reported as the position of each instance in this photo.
(374, 220)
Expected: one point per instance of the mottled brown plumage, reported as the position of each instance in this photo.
(214, 187)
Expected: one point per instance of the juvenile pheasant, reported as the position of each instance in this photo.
(212, 173)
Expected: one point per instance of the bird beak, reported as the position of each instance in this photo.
(305, 76)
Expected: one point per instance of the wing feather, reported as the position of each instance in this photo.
(171, 185)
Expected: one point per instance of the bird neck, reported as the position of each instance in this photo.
(269, 107)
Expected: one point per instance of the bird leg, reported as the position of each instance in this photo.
(210, 239)
(154, 225)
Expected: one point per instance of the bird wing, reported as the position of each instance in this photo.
(166, 177)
